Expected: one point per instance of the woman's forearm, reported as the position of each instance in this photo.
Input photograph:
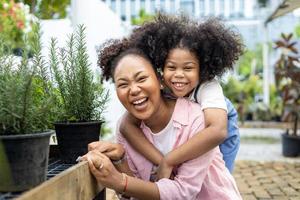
(141, 189)
(135, 187)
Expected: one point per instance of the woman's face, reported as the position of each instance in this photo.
(137, 86)
(181, 72)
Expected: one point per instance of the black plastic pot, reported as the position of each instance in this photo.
(290, 145)
(26, 158)
(73, 138)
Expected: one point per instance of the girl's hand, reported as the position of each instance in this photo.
(164, 170)
(112, 150)
(103, 170)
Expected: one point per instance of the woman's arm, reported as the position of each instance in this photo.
(130, 129)
(107, 175)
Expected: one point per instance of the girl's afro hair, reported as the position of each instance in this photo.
(217, 47)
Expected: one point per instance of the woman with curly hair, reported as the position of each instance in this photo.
(190, 56)
(172, 122)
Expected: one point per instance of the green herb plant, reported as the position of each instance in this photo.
(26, 93)
(82, 97)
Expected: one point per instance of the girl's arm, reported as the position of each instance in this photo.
(130, 129)
(214, 134)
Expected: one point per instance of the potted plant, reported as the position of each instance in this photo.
(26, 112)
(287, 74)
(82, 97)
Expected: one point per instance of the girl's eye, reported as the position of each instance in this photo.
(171, 68)
(188, 68)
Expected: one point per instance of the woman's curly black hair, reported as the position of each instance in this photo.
(216, 46)
(111, 52)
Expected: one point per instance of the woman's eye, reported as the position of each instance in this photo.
(122, 85)
(141, 79)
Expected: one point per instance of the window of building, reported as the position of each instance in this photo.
(202, 8)
(212, 7)
(187, 6)
(172, 6)
(123, 8)
(113, 5)
(133, 12)
(232, 10)
(221, 8)
(241, 9)
(152, 7)
(162, 5)
(143, 5)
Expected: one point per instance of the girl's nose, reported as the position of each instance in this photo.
(134, 89)
(179, 74)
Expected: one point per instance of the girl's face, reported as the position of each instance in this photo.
(181, 71)
(137, 86)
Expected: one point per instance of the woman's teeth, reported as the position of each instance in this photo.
(139, 101)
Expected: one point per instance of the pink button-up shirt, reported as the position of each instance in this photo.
(205, 177)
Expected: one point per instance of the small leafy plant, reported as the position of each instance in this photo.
(81, 97)
(26, 95)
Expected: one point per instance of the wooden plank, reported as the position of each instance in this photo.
(74, 183)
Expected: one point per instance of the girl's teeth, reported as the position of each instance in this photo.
(179, 84)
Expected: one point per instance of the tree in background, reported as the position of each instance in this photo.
(143, 17)
(245, 89)
(48, 9)
(250, 63)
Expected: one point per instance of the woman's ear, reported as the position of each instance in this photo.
(161, 86)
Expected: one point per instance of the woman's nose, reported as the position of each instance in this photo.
(134, 89)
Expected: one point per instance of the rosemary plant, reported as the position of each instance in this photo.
(26, 95)
(82, 97)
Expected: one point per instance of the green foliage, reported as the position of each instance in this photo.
(142, 18)
(105, 130)
(48, 9)
(244, 94)
(297, 31)
(81, 97)
(26, 98)
(250, 62)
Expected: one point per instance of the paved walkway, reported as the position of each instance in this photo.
(268, 180)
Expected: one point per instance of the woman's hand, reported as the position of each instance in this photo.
(112, 150)
(104, 171)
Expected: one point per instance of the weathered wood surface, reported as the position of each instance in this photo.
(74, 183)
